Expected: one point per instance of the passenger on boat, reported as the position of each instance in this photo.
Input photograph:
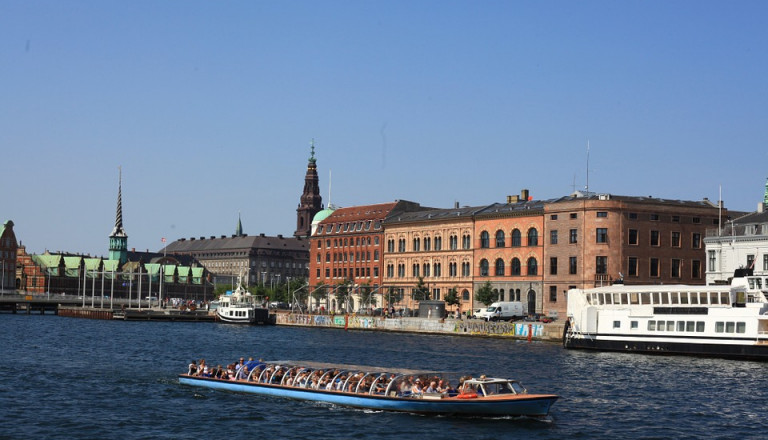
(416, 388)
(192, 371)
(200, 367)
(432, 388)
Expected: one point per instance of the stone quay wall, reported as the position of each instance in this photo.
(463, 327)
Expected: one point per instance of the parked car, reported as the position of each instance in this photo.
(278, 305)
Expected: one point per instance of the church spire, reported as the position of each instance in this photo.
(239, 228)
(118, 240)
(310, 202)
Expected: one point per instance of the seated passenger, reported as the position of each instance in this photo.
(192, 370)
(432, 388)
(416, 388)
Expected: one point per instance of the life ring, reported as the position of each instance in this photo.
(467, 396)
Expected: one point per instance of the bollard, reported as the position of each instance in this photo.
(530, 332)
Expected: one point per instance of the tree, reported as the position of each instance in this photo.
(452, 297)
(319, 294)
(367, 297)
(394, 296)
(421, 291)
(342, 294)
(485, 294)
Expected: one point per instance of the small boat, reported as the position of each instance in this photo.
(729, 321)
(241, 307)
(381, 389)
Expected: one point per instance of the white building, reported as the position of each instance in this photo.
(741, 243)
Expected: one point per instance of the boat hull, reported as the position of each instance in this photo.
(692, 348)
(531, 405)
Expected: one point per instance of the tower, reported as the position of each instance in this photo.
(239, 227)
(118, 239)
(311, 202)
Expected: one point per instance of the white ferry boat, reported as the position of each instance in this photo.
(717, 320)
(241, 307)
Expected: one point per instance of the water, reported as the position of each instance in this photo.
(73, 378)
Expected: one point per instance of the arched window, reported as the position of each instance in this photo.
(515, 238)
(483, 267)
(533, 237)
(499, 267)
(500, 238)
(533, 268)
(484, 240)
(515, 267)
(465, 295)
(501, 295)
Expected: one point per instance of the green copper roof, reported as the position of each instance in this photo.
(111, 265)
(322, 215)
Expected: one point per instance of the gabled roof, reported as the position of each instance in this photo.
(752, 218)
(649, 200)
(245, 242)
(466, 212)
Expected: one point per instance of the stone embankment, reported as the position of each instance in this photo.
(464, 327)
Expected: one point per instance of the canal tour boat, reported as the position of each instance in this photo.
(240, 307)
(728, 321)
(381, 389)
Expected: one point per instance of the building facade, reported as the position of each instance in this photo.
(598, 239)
(509, 251)
(429, 250)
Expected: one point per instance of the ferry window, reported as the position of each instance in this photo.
(660, 326)
(645, 298)
(713, 297)
(633, 325)
(689, 326)
(664, 298)
(651, 325)
(617, 298)
(674, 297)
(634, 298)
(702, 298)
(724, 298)
(608, 298)
(700, 326)
(681, 326)
(751, 282)
(694, 298)
(616, 324)
(656, 298)
(601, 298)
(683, 297)
(719, 327)
(729, 326)
(741, 327)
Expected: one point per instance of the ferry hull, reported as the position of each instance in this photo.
(729, 350)
(531, 405)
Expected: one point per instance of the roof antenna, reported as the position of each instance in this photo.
(587, 187)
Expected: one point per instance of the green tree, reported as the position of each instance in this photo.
(421, 291)
(342, 294)
(452, 297)
(394, 296)
(485, 294)
(367, 297)
(320, 294)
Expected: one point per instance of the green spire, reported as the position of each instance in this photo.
(239, 229)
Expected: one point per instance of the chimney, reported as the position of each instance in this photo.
(279, 235)
(456, 205)
(513, 199)
(524, 195)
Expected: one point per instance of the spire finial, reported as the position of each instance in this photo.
(239, 229)
(119, 214)
(312, 159)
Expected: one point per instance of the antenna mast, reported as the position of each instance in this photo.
(587, 187)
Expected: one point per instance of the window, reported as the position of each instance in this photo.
(616, 324)
(484, 240)
(499, 267)
(553, 217)
(574, 236)
(675, 268)
(465, 269)
(602, 214)
(553, 236)
(516, 240)
(654, 217)
(632, 267)
(483, 267)
(572, 266)
(416, 244)
(427, 243)
(695, 269)
(533, 268)
(573, 215)
(765, 262)
(425, 269)
(500, 239)
(632, 238)
(696, 240)
(675, 239)
(415, 270)
(654, 267)
(601, 264)
(750, 260)
(654, 238)
(712, 261)
(632, 216)
(515, 267)
(533, 237)
(465, 295)
(466, 242)
(553, 265)
(601, 235)
(552, 293)
(696, 220)
(676, 218)
(633, 325)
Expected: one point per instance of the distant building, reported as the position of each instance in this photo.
(740, 243)
(8, 247)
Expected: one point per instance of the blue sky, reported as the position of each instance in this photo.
(209, 107)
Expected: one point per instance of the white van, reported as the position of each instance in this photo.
(505, 310)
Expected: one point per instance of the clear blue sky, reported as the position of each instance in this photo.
(209, 107)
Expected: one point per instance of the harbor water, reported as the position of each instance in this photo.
(75, 378)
